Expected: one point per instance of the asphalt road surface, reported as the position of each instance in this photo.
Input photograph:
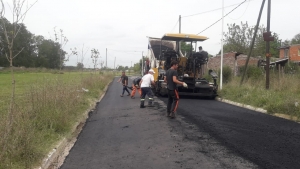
(206, 134)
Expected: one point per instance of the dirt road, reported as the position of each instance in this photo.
(206, 134)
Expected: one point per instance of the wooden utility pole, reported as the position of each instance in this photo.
(268, 38)
(106, 59)
(253, 40)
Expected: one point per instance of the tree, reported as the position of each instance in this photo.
(136, 67)
(23, 42)
(62, 40)
(48, 54)
(95, 56)
(120, 68)
(239, 37)
(286, 43)
(10, 33)
(83, 53)
(186, 48)
(80, 65)
(101, 64)
(296, 39)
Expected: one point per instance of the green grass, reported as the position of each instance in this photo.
(282, 96)
(47, 105)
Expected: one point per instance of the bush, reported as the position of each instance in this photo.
(291, 68)
(253, 72)
(227, 74)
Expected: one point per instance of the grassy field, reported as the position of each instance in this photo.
(47, 105)
(282, 97)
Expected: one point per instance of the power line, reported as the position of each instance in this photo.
(175, 25)
(222, 17)
(211, 10)
(242, 14)
(124, 51)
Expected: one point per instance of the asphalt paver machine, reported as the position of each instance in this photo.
(190, 70)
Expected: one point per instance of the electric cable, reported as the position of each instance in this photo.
(242, 14)
(222, 17)
(174, 26)
(211, 10)
(124, 51)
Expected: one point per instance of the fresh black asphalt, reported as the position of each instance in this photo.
(206, 134)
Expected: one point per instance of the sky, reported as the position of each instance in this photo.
(121, 27)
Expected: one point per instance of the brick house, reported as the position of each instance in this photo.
(231, 59)
(290, 52)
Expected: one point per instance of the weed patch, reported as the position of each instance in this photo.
(46, 108)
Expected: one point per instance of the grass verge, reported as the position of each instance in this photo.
(47, 106)
(282, 97)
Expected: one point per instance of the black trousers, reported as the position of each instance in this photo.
(173, 100)
(125, 89)
(147, 91)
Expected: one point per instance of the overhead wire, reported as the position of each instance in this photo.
(174, 26)
(222, 17)
(124, 51)
(242, 14)
(211, 10)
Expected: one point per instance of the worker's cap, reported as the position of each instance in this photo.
(151, 71)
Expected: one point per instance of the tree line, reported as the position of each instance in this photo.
(35, 50)
(239, 37)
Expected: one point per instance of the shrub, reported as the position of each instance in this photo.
(227, 74)
(253, 72)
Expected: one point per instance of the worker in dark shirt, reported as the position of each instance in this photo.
(124, 80)
(171, 78)
(136, 86)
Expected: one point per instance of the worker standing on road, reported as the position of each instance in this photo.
(124, 80)
(136, 86)
(145, 85)
(173, 96)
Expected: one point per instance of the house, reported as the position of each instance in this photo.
(290, 52)
(231, 59)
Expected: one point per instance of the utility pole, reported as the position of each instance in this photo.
(178, 48)
(252, 42)
(268, 38)
(115, 64)
(142, 64)
(221, 66)
(179, 23)
(106, 59)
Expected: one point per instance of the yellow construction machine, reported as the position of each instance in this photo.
(190, 70)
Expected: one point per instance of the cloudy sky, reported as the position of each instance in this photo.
(122, 26)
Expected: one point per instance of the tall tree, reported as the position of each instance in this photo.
(49, 54)
(186, 48)
(10, 32)
(95, 54)
(62, 40)
(239, 37)
(296, 39)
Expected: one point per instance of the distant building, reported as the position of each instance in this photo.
(231, 59)
(290, 52)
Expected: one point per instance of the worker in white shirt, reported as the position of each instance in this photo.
(145, 85)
